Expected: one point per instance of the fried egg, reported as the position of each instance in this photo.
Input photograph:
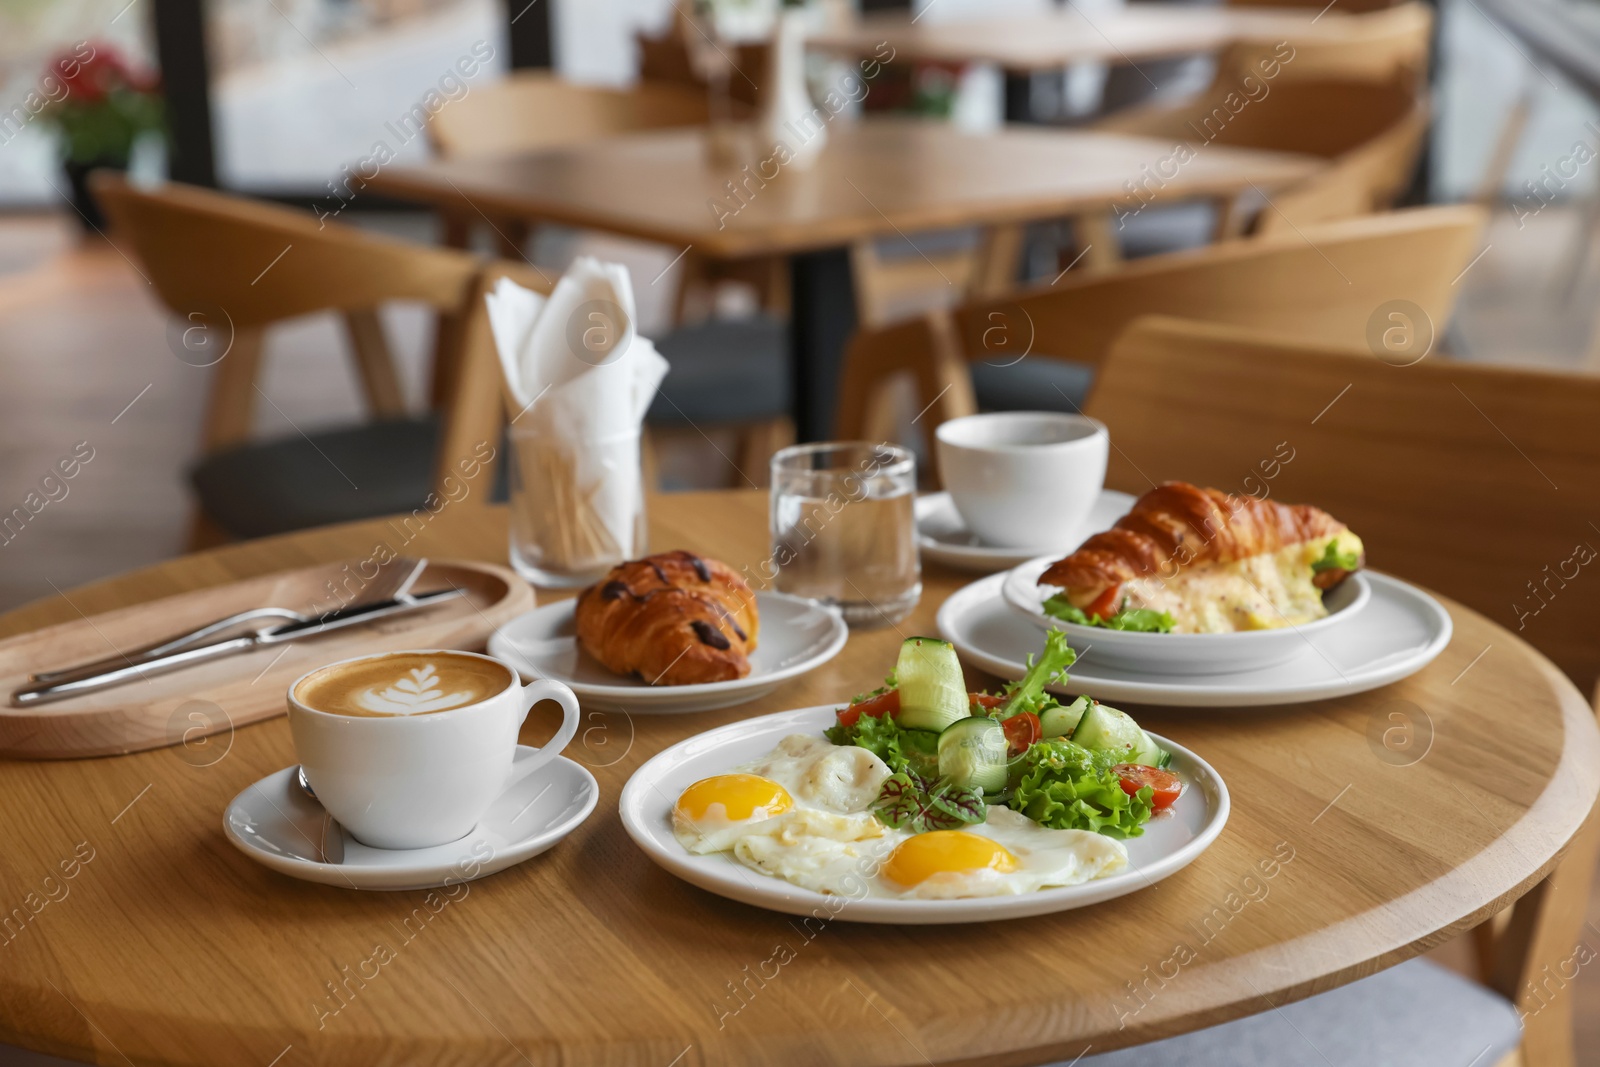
(803, 813)
(713, 813)
(1006, 854)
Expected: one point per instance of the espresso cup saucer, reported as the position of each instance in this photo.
(276, 824)
(943, 537)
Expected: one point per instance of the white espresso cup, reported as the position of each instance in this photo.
(1023, 479)
(401, 780)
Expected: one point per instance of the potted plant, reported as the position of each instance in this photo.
(105, 104)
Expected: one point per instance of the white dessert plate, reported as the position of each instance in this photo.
(944, 538)
(276, 824)
(1400, 631)
(1187, 655)
(795, 637)
(1169, 843)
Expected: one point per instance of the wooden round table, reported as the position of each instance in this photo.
(1340, 858)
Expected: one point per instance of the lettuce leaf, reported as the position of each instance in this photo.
(1138, 620)
(1048, 667)
(878, 734)
(1067, 787)
(908, 801)
(1332, 559)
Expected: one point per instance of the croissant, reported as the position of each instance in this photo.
(672, 618)
(1180, 543)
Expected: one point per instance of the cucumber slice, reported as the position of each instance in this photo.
(933, 693)
(1149, 753)
(1062, 720)
(972, 752)
(921, 750)
(1109, 730)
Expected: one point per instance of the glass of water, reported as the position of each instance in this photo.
(843, 529)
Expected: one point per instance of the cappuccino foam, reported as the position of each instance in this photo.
(403, 683)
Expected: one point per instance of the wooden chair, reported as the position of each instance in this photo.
(1325, 283)
(234, 267)
(1358, 101)
(1476, 481)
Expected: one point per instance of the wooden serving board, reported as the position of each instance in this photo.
(188, 706)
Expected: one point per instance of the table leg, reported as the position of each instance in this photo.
(1019, 96)
(822, 316)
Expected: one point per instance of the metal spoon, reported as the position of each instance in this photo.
(331, 845)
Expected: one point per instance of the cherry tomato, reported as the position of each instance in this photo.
(985, 700)
(1164, 785)
(1022, 730)
(1105, 605)
(878, 706)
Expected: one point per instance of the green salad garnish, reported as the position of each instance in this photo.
(1068, 787)
(1137, 620)
(1332, 559)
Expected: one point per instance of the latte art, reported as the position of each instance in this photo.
(406, 683)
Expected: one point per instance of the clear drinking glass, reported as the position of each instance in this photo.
(843, 529)
(577, 507)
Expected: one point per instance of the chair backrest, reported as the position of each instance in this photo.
(530, 110)
(1374, 47)
(256, 264)
(1477, 481)
(261, 263)
(1324, 283)
(1370, 177)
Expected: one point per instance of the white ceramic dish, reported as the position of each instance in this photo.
(1168, 844)
(1400, 631)
(796, 636)
(277, 825)
(943, 537)
(1182, 654)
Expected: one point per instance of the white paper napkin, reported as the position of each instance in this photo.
(578, 380)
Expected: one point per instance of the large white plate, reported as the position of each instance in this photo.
(1168, 844)
(1185, 654)
(944, 538)
(1399, 631)
(795, 637)
(276, 824)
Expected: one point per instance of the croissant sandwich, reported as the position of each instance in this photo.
(1193, 560)
(672, 618)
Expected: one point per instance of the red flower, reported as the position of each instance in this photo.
(93, 70)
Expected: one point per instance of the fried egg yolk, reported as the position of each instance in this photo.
(742, 797)
(918, 858)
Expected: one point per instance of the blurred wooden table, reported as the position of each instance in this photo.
(877, 178)
(170, 946)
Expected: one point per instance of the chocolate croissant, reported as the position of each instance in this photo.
(672, 618)
(1261, 562)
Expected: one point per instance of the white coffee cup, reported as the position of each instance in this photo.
(1023, 479)
(413, 781)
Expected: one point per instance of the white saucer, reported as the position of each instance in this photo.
(944, 538)
(276, 824)
(1399, 631)
(1182, 654)
(1169, 842)
(795, 637)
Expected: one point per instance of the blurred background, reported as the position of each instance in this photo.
(275, 97)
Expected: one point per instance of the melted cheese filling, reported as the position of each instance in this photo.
(1260, 592)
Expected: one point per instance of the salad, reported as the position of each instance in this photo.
(954, 754)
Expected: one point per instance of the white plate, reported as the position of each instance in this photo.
(1168, 844)
(1398, 633)
(795, 637)
(944, 538)
(1183, 654)
(277, 825)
